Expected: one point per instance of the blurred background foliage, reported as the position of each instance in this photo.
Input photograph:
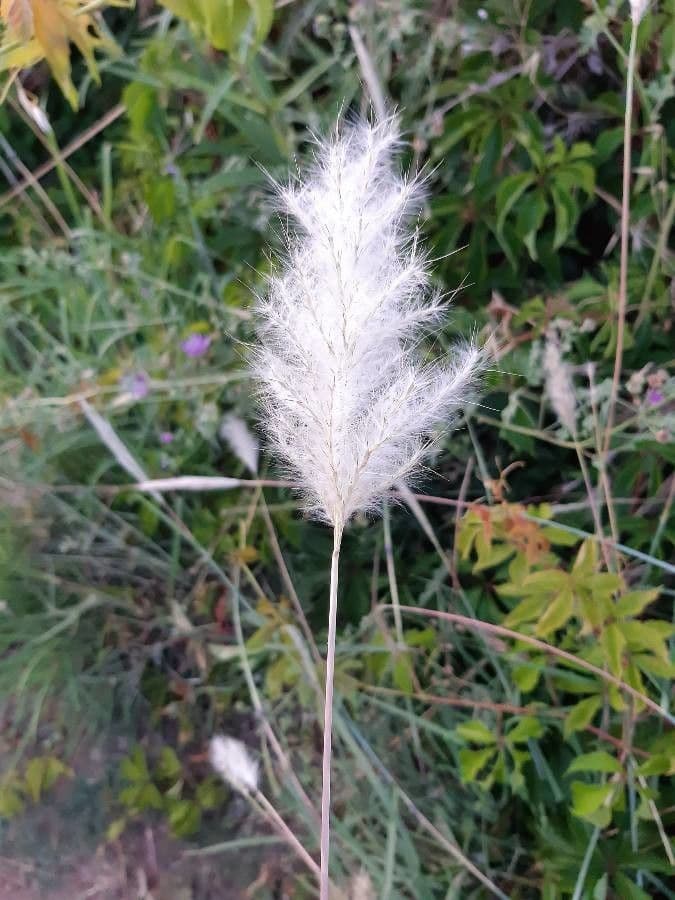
(136, 220)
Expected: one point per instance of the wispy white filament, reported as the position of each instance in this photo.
(349, 404)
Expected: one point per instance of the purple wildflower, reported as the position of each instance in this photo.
(654, 397)
(137, 384)
(166, 437)
(196, 345)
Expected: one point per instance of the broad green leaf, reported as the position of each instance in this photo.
(581, 715)
(11, 803)
(134, 767)
(509, 191)
(402, 673)
(526, 677)
(168, 765)
(613, 643)
(598, 761)
(628, 890)
(604, 584)
(661, 764)
(531, 214)
(635, 602)
(653, 665)
(647, 636)
(558, 613)
(476, 732)
(546, 581)
(566, 212)
(471, 762)
(526, 728)
(588, 798)
(115, 829)
(496, 554)
(526, 611)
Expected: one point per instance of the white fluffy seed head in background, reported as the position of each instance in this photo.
(348, 403)
(232, 761)
(559, 386)
(235, 432)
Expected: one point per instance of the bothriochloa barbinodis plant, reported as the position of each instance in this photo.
(349, 406)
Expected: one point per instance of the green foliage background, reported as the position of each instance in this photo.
(120, 609)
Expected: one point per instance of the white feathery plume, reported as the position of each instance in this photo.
(559, 385)
(349, 404)
(637, 10)
(236, 433)
(232, 761)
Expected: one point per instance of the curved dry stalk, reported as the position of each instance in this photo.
(540, 645)
(625, 230)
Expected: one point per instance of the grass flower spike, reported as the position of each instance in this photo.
(349, 405)
(232, 761)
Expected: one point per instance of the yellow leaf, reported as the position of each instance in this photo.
(18, 15)
(44, 29)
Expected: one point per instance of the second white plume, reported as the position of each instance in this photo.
(349, 404)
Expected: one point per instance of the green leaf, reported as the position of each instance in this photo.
(160, 195)
(628, 890)
(476, 732)
(635, 602)
(531, 214)
(402, 673)
(613, 644)
(509, 191)
(526, 728)
(557, 614)
(589, 798)
(598, 761)
(184, 817)
(472, 761)
(581, 715)
(566, 212)
(546, 581)
(11, 803)
(526, 677)
(115, 829)
(134, 767)
(647, 636)
(526, 611)
(661, 764)
(492, 556)
(168, 765)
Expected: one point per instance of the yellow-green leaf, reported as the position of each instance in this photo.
(598, 761)
(472, 761)
(589, 798)
(647, 636)
(557, 614)
(581, 715)
(527, 609)
(613, 643)
(526, 728)
(476, 732)
(635, 603)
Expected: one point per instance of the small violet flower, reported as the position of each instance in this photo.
(137, 384)
(166, 437)
(196, 345)
(654, 397)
